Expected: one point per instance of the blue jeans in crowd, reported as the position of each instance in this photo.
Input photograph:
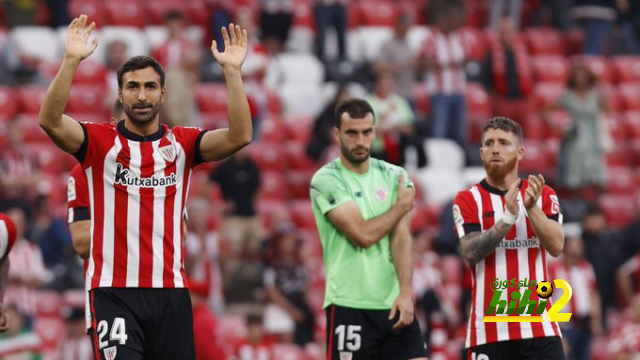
(448, 117)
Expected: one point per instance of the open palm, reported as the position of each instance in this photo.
(77, 45)
(235, 47)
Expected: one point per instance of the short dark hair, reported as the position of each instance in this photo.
(572, 81)
(253, 319)
(356, 108)
(138, 63)
(505, 124)
(173, 14)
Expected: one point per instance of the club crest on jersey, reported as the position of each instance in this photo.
(110, 353)
(168, 152)
(382, 194)
(345, 355)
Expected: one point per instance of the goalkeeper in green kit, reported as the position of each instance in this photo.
(362, 208)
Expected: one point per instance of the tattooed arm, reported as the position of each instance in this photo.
(476, 245)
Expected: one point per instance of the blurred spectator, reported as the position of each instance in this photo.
(59, 10)
(76, 345)
(257, 345)
(20, 12)
(586, 320)
(331, 13)
(628, 278)
(397, 57)
(239, 181)
(286, 281)
(50, 234)
(395, 123)
(631, 234)
(254, 70)
(322, 132)
(497, 12)
(508, 75)
(202, 245)
(222, 12)
(585, 142)
(276, 17)
(15, 67)
(624, 342)
(179, 108)
(116, 56)
(20, 175)
(443, 56)
(630, 13)
(27, 271)
(601, 250)
(205, 326)
(19, 342)
(426, 279)
(597, 18)
(171, 52)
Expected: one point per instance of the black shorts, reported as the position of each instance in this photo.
(135, 324)
(545, 348)
(356, 334)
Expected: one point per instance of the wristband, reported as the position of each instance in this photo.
(508, 218)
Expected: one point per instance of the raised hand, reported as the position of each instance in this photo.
(235, 47)
(511, 198)
(534, 190)
(77, 45)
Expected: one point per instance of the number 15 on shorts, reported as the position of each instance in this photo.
(349, 337)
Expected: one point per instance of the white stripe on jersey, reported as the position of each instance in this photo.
(480, 274)
(133, 216)
(91, 267)
(177, 214)
(523, 259)
(108, 233)
(157, 243)
(4, 239)
(501, 263)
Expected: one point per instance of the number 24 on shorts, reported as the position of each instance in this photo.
(118, 332)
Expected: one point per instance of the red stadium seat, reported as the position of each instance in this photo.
(214, 121)
(297, 158)
(533, 127)
(48, 303)
(620, 155)
(545, 41)
(298, 128)
(474, 126)
(377, 12)
(86, 98)
(551, 68)
(298, 182)
(599, 65)
(272, 130)
(419, 217)
(30, 98)
(416, 10)
(475, 42)
(612, 96)
(32, 131)
(574, 40)
(8, 104)
(535, 158)
(90, 71)
(302, 214)
(633, 146)
(303, 15)
(557, 124)
(273, 186)
(268, 156)
(552, 147)
(478, 101)
(94, 9)
(267, 208)
(126, 13)
(314, 351)
(194, 12)
(548, 93)
(421, 98)
(212, 98)
(629, 94)
(231, 329)
(626, 68)
(287, 352)
(617, 126)
(621, 180)
(618, 210)
(274, 105)
(51, 331)
(632, 120)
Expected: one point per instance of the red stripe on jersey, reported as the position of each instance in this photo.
(512, 273)
(169, 209)
(146, 217)
(187, 179)
(94, 325)
(491, 329)
(120, 220)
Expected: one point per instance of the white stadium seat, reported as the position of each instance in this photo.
(372, 38)
(444, 154)
(300, 99)
(39, 42)
(301, 39)
(440, 184)
(157, 34)
(416, 37)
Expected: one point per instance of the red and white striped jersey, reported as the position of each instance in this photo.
(448, 53)
(8, 234)
(78, 195)
(582, 279)
(519, 255)
(137, 192)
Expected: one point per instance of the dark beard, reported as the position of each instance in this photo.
(499, 172)
(351, 157)
(142, 119)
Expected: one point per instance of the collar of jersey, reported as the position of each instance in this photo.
(494, 190)
(135, 137)
(354, 173)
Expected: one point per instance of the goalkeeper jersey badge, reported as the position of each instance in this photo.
(382, 194)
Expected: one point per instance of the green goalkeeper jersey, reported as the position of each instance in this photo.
(356, 277)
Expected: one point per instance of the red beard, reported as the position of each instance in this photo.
(499, 171)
